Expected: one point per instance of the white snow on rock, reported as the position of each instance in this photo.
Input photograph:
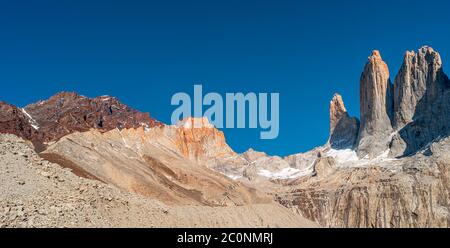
(191, 122)
(233, 177)
(105, 97)
(145, 126)
(32, 121)
(348, 157)
(342, 156)
(285, 173)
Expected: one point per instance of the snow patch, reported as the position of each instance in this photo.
(191, 122)
(123, 139)
(342, 156)
(145, 126)
(348, 157)
(32, 121)
(285, 173)
(186, 124)
(233, 177)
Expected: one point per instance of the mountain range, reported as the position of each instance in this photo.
(390, 168)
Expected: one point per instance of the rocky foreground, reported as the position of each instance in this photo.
(406, 192)
(37, 193)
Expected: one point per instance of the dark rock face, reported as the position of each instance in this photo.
(65, 113)
(14, 121)
(422, 102)
(343, 128)
(376, 107)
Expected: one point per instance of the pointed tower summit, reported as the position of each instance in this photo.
(343, 128)
(376, 107)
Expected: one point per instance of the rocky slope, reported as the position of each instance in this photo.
(149, 163)
(69, 112)
(37, 193)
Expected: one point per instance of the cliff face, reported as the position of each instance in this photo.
(401, 176)
(343, 128)
(200, 142)
(422, 103)
(403, 118)
(376, 106)
(416, 72)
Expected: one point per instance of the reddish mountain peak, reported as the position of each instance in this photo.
(68, 112)
(66, 94)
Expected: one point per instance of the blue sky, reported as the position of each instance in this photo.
(145, 51)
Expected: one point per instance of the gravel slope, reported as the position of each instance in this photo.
(37, 193)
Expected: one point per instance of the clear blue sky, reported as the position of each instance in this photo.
(145, 51)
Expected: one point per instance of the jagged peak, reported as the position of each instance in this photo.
(337, 110)
(431, 55)
(195, 122)
(426, 49)
(425, 52)
(343, 129)
(376, 63)
(338, 102)
(66, 94)
(75, 95)
(375, 56)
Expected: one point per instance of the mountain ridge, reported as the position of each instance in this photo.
(389, 169)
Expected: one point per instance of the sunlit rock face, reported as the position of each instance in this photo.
(149, 163)
(399, 174)
(343, 128)
(376, 106)
(421, 102)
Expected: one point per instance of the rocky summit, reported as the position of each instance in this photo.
(76, 161)
(343, 129)
(69, 112)
(421, 102)
(376, 105)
